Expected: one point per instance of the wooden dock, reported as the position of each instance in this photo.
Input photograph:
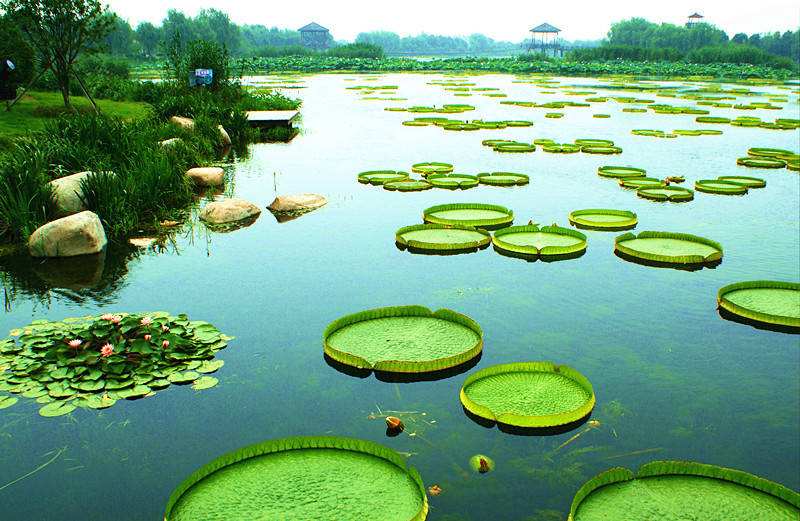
(272, 118)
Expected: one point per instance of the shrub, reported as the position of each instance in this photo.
(272, 51)
(357, 50)
(737, 53)
(625, 52)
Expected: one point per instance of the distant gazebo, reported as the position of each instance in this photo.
(694, 19)
(544, 39)
(314, 36)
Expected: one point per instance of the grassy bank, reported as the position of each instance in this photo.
(37, 108)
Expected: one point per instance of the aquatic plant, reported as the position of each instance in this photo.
(407, 185)
(672, 490)
(445, 238)
(503, 178)
(674, 194)
(603, 219)
(749, 182)
(528, 394)
(432, 168)
(532, 241)
(620, 172)
(763, 301)
(92, 362)
(719, 186)
(478, 215)
(379, 485)
(379, 177)
(453, 181)
(668, 248)
(403, 339)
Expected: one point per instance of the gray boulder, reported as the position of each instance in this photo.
(79, 234)
(229, 211)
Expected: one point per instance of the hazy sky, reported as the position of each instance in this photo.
(500, 19)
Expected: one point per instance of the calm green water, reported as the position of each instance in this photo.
(672, 378)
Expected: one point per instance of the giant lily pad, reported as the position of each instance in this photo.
(503, 179)
(763, 301)
(603, 219)
(92, 362)
(432, 168)
(403, 339)
(679, 490)
(719, 186)
(453, 181)
(441, 238)
(407, 185)
(528, 394)
(668, 248)
(640, 182)
(749, 182)
(479, 215)
(379, 177)
(674, 194)
(531, 241)
(621, 172)
(303, 478)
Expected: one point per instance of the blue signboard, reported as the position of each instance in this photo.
(201, 77)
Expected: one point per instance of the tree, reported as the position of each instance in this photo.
(149, 37)
(221, 29)
(59, 31)
(121, 39)
(739, 38)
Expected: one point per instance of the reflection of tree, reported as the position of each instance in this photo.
(87, 279)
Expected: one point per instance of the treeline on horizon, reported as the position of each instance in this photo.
(636, 40)
(640, 40)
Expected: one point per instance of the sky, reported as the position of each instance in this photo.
(501, 20)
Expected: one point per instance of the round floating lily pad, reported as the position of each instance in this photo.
(749, 182)
(590, 149)
(515, 147)
(532, 241)
(603, 219)
(204, 382)
(58, 408)
(407, 185)
(7, 401)
(453, 181)
(763, 301)
(666, 193)
(432, 168)
(777, 153)
(640, 182)
(621, 172)
(442, 238)
(479, 215)
(566, 148)
(719, 186)
(503, 179)
(712, 119)
(761, 162)
(303, 478)
(679, 490)
(403, 339)
(594, 142)
(669, 248)
(379, 177)
(528, 394)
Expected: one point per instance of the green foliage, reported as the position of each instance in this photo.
(448, 240)
(520, 373)
(623, 219)
(625, 52)
(504, 216)
(669, 254)
(302, 444)
(356, 50)
(741, 54)
(93, 362)
(542, 249)
(430, 44)
(14, 47)
(26, 200)
(272, 51)
(788, 317)
(59, 31)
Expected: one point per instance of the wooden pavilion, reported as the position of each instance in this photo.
(694, 19)
(314, 36)
(544, 39)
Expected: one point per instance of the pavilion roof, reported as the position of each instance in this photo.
(313, 27)
(545, 28)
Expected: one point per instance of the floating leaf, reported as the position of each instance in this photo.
(204, 382)
(134, 392)
(100, 401)
(210, 366)
(7, 401)
(56, 409)
(183, 377)
(90, 385)
(160, 383)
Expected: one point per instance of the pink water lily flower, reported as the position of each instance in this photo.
(108, 317)
(165, 344)
(146, 321)
(107, 350)
(116, 319)
(75, 344)
(148, 337)
(165, 329)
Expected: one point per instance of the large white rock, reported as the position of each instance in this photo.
(229, 211)
(79, 234)
(184, 123)
(224, 137)
(171, 142)
(297, 203)
(68, 193)
(207, 176)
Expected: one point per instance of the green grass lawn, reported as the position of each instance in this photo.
(35, 108)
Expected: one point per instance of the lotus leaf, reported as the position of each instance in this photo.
(603, 219)
(763, 301)
(668, 248)
(441, 237)
(479, 215)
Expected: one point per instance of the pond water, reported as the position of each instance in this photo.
(673, 379)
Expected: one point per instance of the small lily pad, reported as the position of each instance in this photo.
(7, 401)
(204, 382)
(100, 401)
(210, 366)
(183, 377)
(54, 409)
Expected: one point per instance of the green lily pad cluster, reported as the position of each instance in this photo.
(444, 109)
(750, 121)
(587, 146)
(475, 124)
(92, 362)
(770, 158)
